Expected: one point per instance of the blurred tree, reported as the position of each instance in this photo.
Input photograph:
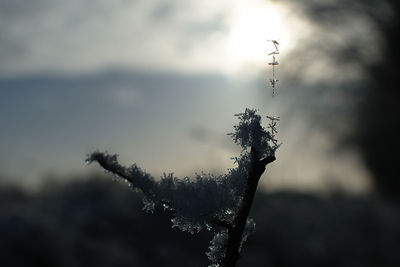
(375, 98)
(379, 119)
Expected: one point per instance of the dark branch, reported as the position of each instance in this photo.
(235, 233)
(221, 223)
(134, 175)
(268, 160)
(109, 163)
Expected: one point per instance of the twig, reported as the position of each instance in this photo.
(235, 233)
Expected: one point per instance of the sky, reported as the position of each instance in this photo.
(158, 83)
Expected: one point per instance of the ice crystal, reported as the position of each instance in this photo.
(217, 248)
(148, 205)
(250, 133)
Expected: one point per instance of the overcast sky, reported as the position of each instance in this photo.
(85, 36)
(158, 82)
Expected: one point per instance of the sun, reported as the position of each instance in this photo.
(252, 24)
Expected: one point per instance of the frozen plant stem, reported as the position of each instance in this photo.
(209, 201)
(235, 231)
(237, 226)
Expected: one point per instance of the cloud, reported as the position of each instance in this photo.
(124, 97)
(49, 35)
(88, 36)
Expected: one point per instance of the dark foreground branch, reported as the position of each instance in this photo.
(134, 175)
(235, 233)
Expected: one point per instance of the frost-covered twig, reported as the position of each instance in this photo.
(235, 234)
(209, 201)
(134, 175)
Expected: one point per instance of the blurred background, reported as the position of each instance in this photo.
(158, 82)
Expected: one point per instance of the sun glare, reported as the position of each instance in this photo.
(252, 24)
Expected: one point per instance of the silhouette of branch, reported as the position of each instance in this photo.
(209, 201)
(235, 233)
(134, 175)
(222, 223)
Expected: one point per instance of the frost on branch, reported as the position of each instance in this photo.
(217, 248)
(207, 200)
(249, 229)
(218, 243)
(250, 133)
(196, 203)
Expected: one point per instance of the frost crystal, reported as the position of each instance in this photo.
(250, 133)
(148, 205)
(217, 248)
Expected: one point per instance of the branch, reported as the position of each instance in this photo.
(134, 175)
(235, 233)
(222, 223)
(267, 160)
(109, 163)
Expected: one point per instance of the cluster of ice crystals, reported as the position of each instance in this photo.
(250, 133)
(148, 205)
(217, 248)
(182, 224)
(197, 202)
